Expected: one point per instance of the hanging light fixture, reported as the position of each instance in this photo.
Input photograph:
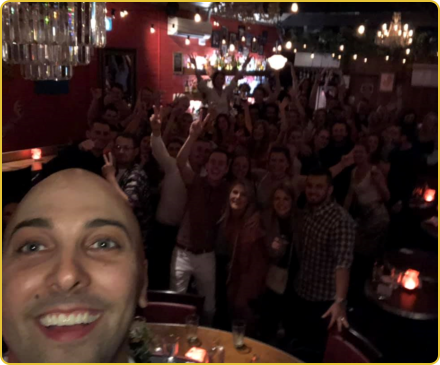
(224, 40)
(295, 8)
(404, 61)
(243, 39)
(295, 50)
(231, 48)
(333, 55)
(274, 49)
(123, 13)
(288, 45)
(305, 46)
(365, 60)
(42, 38)
(152, 29)
(387, 58)
(279, 48)
(355, 56)
(408, 51)
(197, 17)
(187, 41)
(312, 56)
(361, 29)
(277, 62)
(339, 57)
(395, 35)
(341, 48)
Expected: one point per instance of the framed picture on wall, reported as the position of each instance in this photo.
(177, 63)
(232, 38)
(216, 39)
(386, 82)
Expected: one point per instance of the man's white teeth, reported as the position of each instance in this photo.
(68, 320)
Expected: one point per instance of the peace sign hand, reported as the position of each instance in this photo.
(108, 170)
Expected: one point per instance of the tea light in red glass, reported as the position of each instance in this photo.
(36, 154)
(410, 279)
(198, 354)
(429, 195)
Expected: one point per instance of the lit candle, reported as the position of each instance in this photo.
(36, 153)
(429, 195)
(197, 354)
(411, 279)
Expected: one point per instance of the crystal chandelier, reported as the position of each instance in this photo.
(48, 39)
(268, 12)
(395, 35)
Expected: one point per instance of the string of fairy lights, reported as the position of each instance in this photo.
(391, 39)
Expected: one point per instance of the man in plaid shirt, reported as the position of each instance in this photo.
(129, 179)
(325, 256)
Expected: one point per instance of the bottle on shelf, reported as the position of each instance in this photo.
(186, 87)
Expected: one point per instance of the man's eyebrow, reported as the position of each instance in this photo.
(101, 222)
(35, 222)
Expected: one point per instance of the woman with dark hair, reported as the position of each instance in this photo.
(279, 170)
(224, 133)
(241, 244)
(280, 223)
(259, 143)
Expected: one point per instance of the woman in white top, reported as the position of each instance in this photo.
(218, 95)
(366, 198)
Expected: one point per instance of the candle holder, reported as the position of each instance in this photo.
(36, 154)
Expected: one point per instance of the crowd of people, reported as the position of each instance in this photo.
(271, 210)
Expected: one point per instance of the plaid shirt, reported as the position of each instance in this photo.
(134, 183)
(327, 243)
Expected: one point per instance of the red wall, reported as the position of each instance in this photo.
(57, 119)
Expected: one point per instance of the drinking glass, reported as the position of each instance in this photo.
(171, 347)
(238, 331)
(192, 326)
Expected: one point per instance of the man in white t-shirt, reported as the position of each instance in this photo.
(73, 273)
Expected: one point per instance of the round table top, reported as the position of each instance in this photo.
(420, 304)
(209, 336)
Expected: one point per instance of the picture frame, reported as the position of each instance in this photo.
(386, 82)
(177, 63)
(216, 39)
(232, 38)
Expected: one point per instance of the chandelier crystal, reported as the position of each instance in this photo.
(49, 39)
(394, 35)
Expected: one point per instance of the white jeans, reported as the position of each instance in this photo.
(184, 265)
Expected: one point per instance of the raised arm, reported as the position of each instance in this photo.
(192, 59)
(95, 107)
(185, 169)
(247, 116)
(109, 173)
(158, 147)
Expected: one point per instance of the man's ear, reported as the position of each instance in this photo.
(143, 297)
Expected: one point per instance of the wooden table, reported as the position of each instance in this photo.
(22, 164)
(421, 303)
(208, 337)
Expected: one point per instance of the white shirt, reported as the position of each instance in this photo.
(173, 193)
(221, 101)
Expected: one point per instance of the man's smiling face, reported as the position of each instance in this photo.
(73, 272)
